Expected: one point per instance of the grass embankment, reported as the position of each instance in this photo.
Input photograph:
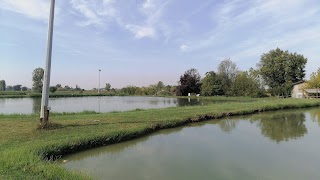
(24, 148)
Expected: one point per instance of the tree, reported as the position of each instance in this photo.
(37, 78)
(17, 87)
(108, 87)
(53, 89)
(9, 88)
(160, 86)
(280, 69)
(24, 88)
(2, 85)
(244, 85)
(314, 81)
(227, 71)
(189, 83)
(211, 85)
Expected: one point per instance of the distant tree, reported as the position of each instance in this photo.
(227, 71)
(244, 85)
(130, 90)
(160, 86)
(108, 87)
(24, 88)
(53, 89)
(314, 81)
(9, 88)
(189, 83)
(211, 85)
(37, 78)
(58, 85)
(17, 87)
(67, 88)
(77, 88)
(2, 85)
(280, 69)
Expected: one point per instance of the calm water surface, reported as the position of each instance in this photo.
(267, 146)
(98, 104)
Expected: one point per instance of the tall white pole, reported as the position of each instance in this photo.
(44, 113)
(99, 81)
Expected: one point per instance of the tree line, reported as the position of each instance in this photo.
(274, 75)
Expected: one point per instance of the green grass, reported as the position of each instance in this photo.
(25, 150)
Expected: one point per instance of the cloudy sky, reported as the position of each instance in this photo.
(139, 42)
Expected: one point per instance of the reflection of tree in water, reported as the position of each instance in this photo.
(36, 105)
(227, 125)
(283, 126)
(315, 115)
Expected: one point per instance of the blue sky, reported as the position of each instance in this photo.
(139, 42)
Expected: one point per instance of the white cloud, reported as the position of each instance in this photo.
(95, 12)
(141, 31)
(183, 47)
(37, 9)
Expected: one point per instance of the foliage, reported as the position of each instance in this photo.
(280, 69)
(108, 87)
(37, 78)
(24, 88)
(211, 85)
(189, 83)
(9, 88)
(17, 87)
(2, 85)
(246, 85)
(53, 89)
(227, 71)
(314, 81)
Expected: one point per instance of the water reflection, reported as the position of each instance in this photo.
(282, 125)
(36, 105)
(208, 150)
(315, 115)
(227, 125)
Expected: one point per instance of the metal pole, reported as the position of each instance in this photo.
(99, 81)
(44, 113)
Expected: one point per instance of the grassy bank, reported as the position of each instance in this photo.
(24, 149)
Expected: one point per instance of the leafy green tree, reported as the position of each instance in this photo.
(9, 88)
(53, 89)
(37, 78)
(108, 87)
(314, 81)
(24, 88)
(245, 85)
(17, 87)
(160, 86)
(227, 71)
(189, 83)
(2, 85)
(280, 69)
(211, 85)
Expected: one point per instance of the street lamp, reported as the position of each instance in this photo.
(99, 81)
(44, 113)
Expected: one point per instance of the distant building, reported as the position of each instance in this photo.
(298, 90)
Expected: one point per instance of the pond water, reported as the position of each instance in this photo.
(98, 104)
(266, 146)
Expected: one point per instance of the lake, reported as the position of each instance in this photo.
(98, 104)
(266, 146)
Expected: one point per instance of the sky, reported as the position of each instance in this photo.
(141, 42)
